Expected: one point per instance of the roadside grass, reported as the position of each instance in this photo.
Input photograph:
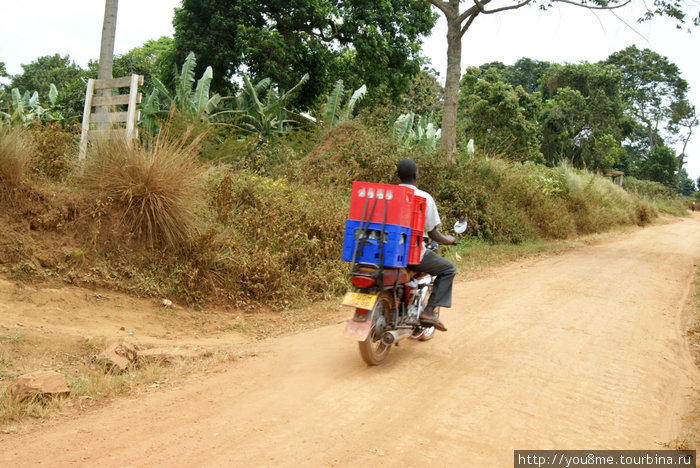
(262, 228)
(16, 151)
(92, 384)
(673, 206)
(475, 254)
(156, 187)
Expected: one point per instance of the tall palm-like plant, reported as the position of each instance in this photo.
(261, 111)
(334, 112)
(422, 134)
(25, 108)
(187, 98)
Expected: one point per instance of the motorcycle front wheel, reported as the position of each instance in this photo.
(372, 350)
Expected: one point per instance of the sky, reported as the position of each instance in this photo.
(32, 28)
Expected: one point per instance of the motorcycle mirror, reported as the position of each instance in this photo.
(460, 226)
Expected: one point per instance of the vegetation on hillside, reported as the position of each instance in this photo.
(238, 195)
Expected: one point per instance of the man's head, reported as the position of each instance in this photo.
(407, 171)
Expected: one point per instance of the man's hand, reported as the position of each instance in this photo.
(440, 238)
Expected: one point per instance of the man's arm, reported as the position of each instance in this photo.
(440, 238)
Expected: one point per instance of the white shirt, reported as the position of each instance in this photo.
(432, 217)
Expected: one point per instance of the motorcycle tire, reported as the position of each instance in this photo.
(372, 350)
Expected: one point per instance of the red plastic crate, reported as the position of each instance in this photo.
(418, 218)
(398, 201)
(415, 246)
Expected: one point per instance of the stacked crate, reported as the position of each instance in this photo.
(380, 224)
(417, 222)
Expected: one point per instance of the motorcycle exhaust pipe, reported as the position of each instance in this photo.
(394, 336)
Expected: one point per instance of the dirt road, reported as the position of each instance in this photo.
(583, 350)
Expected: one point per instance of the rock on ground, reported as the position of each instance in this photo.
(118, 355)
(49, 383)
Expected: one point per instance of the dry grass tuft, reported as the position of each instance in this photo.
(16, 150)
(157, 186)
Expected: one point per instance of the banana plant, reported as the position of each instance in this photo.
(334, 112)
(150, 110)
(422, 133)
(4, 115)
(195, 101)
(261, 111)
(25, 108)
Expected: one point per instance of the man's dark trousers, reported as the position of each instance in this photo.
(444, 272)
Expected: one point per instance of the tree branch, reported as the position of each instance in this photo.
(512, 7)
(578, 4)
(468, 23)
(478, 7)
(442, 6)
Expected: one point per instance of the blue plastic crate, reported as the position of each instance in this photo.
(396, 241)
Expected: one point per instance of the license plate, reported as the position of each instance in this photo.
(358, 330)
(359, 300)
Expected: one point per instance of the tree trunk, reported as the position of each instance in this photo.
(109, 30)
(104, 69)
(448, 138)
(681, 157)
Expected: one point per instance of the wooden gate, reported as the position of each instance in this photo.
(115, 115)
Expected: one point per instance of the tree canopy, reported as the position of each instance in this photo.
(501, 120)
(651, 86)
(460, 20)
(583, 120)
(359, 42)
(39, 74)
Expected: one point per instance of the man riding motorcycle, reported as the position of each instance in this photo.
(442, 269)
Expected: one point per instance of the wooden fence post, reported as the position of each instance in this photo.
(114, 117)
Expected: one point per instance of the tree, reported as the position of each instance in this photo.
(104, 69)
(660, 166)
(652, 86)
(686, 186)
(458, 22)
(109, 31)
(582, 119)
(501, 120)
(358, 42)
(3, 71)
(424, 95)
(154, 59)
(39, 74)
(684, 119)
(525, 72)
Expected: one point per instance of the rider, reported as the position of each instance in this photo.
(431, 263)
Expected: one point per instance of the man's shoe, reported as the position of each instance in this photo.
(428, 317)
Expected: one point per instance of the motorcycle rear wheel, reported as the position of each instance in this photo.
(372, 350)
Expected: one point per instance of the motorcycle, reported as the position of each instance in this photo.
(388, 303)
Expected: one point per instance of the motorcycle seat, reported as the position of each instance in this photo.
(391, 275)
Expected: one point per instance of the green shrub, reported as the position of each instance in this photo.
(645, 188)
(279, 239)
(54, 142)
(351, 151)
